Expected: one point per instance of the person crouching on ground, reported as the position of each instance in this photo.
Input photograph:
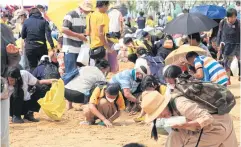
(207, 69)
(202, 127)
(150, 83)
(20, 102)
(105, 104)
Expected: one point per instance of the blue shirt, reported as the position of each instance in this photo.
(212, 70)
(126, 79)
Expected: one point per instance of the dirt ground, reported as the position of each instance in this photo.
(68, 132)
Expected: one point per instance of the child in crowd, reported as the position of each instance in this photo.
(150, 83)
(104, 104)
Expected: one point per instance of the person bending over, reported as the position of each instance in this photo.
(105, 104)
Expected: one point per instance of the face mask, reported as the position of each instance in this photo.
(138, 80)
(171, 86)
(110, 100)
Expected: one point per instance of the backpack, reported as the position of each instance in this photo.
(216, 98)
(51, 72)
(101, 85)
(156, 65)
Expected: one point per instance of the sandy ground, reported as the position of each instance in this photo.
(68, 132)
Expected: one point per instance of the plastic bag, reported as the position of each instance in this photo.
(53, 104)
(84, 56)
(234, 67)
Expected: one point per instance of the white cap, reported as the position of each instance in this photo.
(45, 56)
(143, 70)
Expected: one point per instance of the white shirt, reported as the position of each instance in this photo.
(88, 75)
(115, 17)
(28, 79)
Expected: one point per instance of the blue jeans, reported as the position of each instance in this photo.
(70, 62)
(70, 76)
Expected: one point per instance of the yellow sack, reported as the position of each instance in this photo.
(53, 104)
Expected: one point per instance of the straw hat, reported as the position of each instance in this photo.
(153, 103)
(86, 5)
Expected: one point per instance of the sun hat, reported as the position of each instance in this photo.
(86, 5)
(19, 13)
(153, 103)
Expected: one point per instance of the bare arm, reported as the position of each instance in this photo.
(199, 73)
(73, 34)
(115, 116)
(49, 81)
(102, 37)
(129, 96)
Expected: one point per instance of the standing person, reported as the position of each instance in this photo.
(98, 28)
(150, 22)
(34, 30)
(105, 104)
(20, 101)
(162, 21)
(9, 57)
(202, 128)
(207, 69)
(141, 21)
(213, 48)
(237, 7)
(21, 16)
(116, 22)
(229, 38)
(73, 34)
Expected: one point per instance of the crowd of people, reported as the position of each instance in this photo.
(148, 87)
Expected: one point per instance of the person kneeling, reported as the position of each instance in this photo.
(105, 104)
(20, 101)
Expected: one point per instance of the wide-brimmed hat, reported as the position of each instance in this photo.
(19, 13)
(86, 5)
(153, 103)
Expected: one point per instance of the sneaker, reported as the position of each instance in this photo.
(30, 117)
(17, 120)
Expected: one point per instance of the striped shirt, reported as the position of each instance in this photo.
(76, 22)
(126, 79)
(212, 70)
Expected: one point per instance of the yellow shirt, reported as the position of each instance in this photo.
(169, 18)
(99, 93)
(150, 23)
(134, 50)
(97, 19)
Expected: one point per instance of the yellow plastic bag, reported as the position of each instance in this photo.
(53, 104)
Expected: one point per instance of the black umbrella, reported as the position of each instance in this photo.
(190, 23)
